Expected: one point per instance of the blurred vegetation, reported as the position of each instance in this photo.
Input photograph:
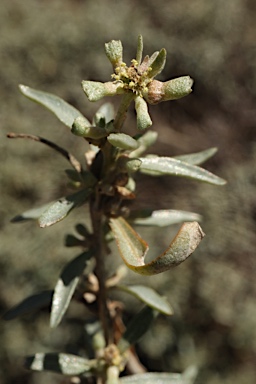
(52, 46)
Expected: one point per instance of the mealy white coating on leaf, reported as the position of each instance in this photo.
(163, 218)
(170, 166)
(143, 118)
(65, 112)
(123, 141)
(133, 248)
(198, 157)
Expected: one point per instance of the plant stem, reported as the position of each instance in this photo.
(121, 113)
(96, 219)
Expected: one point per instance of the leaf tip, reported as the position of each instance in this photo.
(23, 88)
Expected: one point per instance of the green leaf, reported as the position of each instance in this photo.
(148, 296)
(163, 217)
(82, 230)
(61, 208)
(106, 112)
(66, 286)
(73, 241)
(65, 112)
(64, 363)
(157, 166)
(156, 378)
(114, 52)
(31, 214)
(158, 64)
(145, 141)
(139, 49)
(197, 158)
(133, 249)
(138, 326)
(81, 128)
(177, 88)
(123, 141)
(96, 90)
(29, 304)
(143, 118)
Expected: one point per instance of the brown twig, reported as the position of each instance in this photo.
(73, 161)
(96, 219)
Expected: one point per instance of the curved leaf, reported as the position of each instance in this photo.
(199, 157)
(64, 363)
(61, 208)
(29, 304)
(65, 112)
(164, 217)
(157, 166)
(66, 286)
(138, 326)
(143, 118)
(133, 249)
(148, 296)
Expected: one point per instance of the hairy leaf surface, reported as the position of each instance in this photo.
(133, 248)
(65, 112)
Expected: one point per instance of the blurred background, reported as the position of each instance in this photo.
(52, 46)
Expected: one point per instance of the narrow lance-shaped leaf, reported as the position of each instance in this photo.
(158, 64)
(145, 141)
(66, 286)
(61, 208)
(63, 363)
(139, 49)
(197, 158)
(65, 112)
(31, 303)
(148, 296)
(137, 328)
(133, 249)
(143, 118)
(157, 166)
(156, 377)
(106, 112)
(31, 214)
(163, 217)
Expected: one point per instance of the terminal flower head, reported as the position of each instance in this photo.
(138, 80)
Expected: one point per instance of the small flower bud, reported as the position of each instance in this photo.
(169, 90)
(95, 90)
(129, 164)
(114, 52)
(143, 118)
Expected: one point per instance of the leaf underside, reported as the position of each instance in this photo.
(162, 217)
(61, 208)
(149, 296)
(66, 286)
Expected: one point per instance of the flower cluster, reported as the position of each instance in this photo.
(138, 81)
